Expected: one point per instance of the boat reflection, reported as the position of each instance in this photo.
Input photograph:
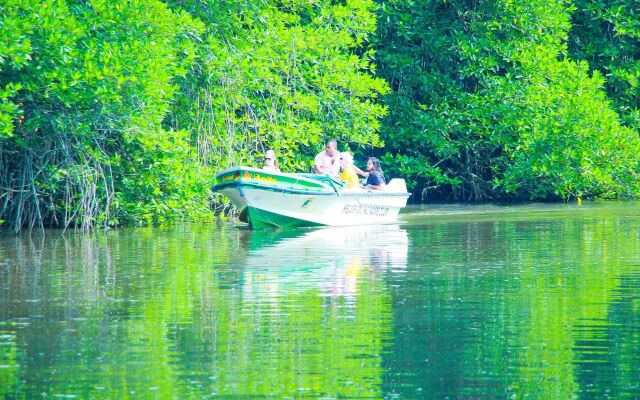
(328, 260)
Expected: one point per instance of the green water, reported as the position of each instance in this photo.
(504, 302)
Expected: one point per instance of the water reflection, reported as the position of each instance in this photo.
(542, 305)
(529, 307)
(607, 349)
(329, 261)
(192, 312)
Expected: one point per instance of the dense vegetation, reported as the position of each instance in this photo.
(120, 112)
(493, 104)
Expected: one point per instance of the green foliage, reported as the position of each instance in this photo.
(93, 87)
(15, 52)
(607, 35)
(120, 112)
(282, 75)
(485, 105)
(577, 147)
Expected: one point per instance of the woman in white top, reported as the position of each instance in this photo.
(270, 161)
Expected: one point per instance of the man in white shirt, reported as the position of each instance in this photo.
(328, 161)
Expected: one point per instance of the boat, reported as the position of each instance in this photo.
(266, 198)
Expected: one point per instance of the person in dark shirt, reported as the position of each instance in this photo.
(375, 180)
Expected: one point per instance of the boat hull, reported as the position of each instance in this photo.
(294, 200)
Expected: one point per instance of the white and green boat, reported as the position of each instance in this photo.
(266, 198)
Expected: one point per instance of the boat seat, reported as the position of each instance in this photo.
(396, 185)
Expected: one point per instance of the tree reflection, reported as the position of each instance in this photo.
(539, 307)
(189, 313)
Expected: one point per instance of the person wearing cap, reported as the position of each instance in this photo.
(348, 174)
(270, 161)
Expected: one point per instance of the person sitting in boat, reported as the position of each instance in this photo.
(375, 180)
(270, 161)
(328, 161)
(348, 174)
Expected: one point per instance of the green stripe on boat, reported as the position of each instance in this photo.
(262, 219)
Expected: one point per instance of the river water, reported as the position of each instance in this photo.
(532, 301)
